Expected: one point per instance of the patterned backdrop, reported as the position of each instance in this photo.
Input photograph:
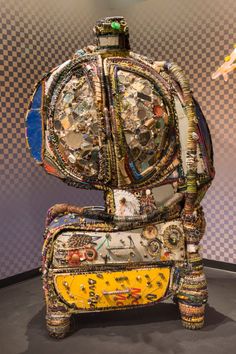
(38, 35)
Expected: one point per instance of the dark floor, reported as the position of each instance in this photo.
(155, 329)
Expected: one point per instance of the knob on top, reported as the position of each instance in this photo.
(112, 32)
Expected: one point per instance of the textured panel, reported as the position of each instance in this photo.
(162, 242)
(117, 291)
(36, 36)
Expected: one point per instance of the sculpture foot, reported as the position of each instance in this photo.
(192, 316)
(58, 324)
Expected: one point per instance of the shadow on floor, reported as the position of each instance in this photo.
(94, 331)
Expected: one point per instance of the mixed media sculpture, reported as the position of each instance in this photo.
(113, 120)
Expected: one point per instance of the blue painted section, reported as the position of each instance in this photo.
(34, 125)
(68, 220)
(34, 133)
(37, 99)
(135, 173)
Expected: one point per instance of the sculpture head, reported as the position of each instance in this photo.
(114, 120)
(112, 32)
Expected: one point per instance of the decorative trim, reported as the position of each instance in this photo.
(35, 272)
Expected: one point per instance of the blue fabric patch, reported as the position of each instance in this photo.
(37, 99)
(34, 133)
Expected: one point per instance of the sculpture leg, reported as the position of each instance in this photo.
(192, 316)
(58, 323)
(192, 296)
(192, 293)
(58, 319)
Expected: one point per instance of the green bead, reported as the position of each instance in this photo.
(115, 25)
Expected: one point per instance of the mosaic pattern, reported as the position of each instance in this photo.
(154, 163)
(76, 124)
(143, 130)
(153, 243)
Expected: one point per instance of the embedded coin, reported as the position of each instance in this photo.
(149, 232)
(154, 247)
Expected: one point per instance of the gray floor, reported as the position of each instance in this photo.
(151, 330)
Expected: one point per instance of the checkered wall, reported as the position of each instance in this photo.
(38, 35)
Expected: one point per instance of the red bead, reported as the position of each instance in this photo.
(158, 111)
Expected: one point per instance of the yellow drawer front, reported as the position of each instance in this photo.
(111, 289)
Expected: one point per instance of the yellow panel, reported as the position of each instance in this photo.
(113, 289)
